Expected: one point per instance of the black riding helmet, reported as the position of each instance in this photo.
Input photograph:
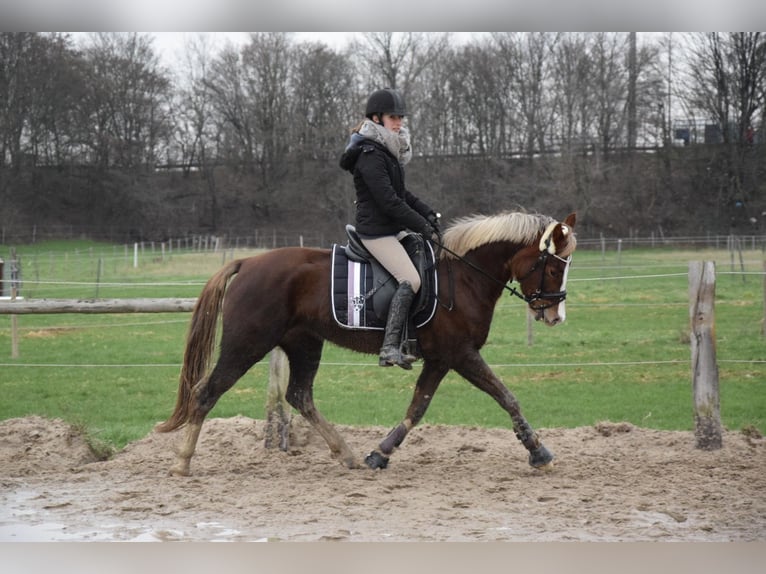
(386, 101)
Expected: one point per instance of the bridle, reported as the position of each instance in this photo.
(549, 299)
(547, 250)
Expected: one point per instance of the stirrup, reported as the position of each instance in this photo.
(397, 358)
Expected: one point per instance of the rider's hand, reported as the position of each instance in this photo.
(432, 233)
(433, 218)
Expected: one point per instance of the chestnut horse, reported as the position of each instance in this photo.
(281, 298)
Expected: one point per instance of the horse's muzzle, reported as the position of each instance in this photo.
(551, 315)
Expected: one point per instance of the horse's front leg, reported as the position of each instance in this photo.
(425, 388)
(478, 373)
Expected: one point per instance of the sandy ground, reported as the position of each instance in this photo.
(611, 482)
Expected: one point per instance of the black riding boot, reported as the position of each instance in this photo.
(391, 351)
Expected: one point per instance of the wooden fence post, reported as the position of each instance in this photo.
(530, 326)
(763, 323)
(14, 276)
(707, 411)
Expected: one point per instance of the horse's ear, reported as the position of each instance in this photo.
(562, 232)
(557, 234)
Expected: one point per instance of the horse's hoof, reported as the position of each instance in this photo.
(376, 460)
(351, 463)
(541, 458)
(180, 469)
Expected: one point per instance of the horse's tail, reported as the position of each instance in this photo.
(200, 344)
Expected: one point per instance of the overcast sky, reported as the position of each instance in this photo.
(171, 45)
(422, 15)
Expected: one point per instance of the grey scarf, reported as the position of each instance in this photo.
(397, 144)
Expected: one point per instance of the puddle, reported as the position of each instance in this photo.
(21, 520)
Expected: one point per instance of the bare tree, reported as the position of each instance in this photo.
(197, 130)
(226, 85)
(194, 122)
(527, 56)
(632, 80)
(610, 79)
(439, 118)
(728, 72)
(18, 53)
(250, 90)
(266, 73)
(481, 102)
(127, 99)
(399, 60)
(58, 89)
(322, 109)
(40, 85)
(573, 91)
(728, 84)
(574, 111)
(323, 95)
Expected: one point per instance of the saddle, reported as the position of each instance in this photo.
(362, 288)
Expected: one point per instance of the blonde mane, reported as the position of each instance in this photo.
(471, 232)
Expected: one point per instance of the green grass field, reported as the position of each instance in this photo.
(622, 355)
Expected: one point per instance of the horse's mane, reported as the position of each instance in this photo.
(468, 233)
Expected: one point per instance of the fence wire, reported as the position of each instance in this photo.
(602, 278)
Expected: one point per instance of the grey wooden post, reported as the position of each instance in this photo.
(707, 411)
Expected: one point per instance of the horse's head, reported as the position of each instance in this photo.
(541, 270)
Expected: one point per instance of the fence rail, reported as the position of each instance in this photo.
(55, 306)
(16, 306)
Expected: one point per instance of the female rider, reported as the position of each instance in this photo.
(385, 209)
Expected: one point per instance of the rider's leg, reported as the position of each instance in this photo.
(390, 253)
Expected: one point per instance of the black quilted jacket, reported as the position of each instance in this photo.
(384, 206)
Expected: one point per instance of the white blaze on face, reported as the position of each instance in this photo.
(562, 305)
(546, 243)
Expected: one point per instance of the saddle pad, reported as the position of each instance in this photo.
(353, 288)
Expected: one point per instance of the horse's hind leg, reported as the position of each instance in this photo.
(228, 370)
(185, 450)
(304, 358)
(277, 407)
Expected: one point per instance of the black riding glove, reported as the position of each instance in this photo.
(432, 233)
(433, 218)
